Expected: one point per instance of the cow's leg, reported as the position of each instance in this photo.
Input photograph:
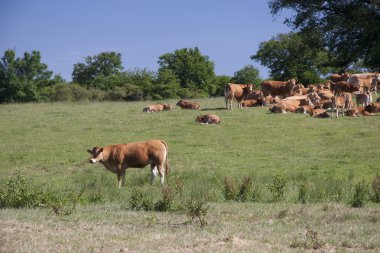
(154, 172)
(161, 170)
(120, 175)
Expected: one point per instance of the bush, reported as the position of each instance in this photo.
(303, 192)
(17, 193)
(166, 202)
(196, 209)
(360, 194)
(375, 196)
(140, 200)
(277, 187)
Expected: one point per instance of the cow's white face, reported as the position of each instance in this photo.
(96, 155)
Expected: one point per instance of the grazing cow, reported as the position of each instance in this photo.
(373, 107)
(319, 113)
(363, 98)
(188, 105)
(117, 158)
(277, 88)
(343, 86)
(237, 92)
(208, 119)
(342, 102)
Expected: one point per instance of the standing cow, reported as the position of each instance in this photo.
(277, 88)
(237, 92)
(117, 158)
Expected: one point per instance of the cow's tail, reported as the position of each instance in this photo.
(167, 169)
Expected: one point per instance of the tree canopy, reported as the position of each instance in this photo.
(248, 74)
(193, 70)
(101, 66)
(288, 56)
(349, 30)
(23, 79)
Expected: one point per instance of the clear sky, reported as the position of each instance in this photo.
(66, 31)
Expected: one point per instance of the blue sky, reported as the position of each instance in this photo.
(65, 32)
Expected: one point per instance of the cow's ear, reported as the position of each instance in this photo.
(100, 150)
(89, 151)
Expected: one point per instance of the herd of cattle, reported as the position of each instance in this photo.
(336, 94)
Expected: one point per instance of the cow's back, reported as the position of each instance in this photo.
(275, 88)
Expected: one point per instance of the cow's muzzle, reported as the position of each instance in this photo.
(93, 161)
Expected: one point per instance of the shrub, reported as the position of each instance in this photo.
(375, 196)
(196, 209)
(166, 202)
(360, 194)
(245, 189)
(277, 187)
(17, 193)
(303, 192)
(140, 200)
(229, 189)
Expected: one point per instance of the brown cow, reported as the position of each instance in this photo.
(343, 102)
(277, 88)
(208, 119)
(343, 86)
(373, 107)
(357, 112)
(363, 99)
(364, 80)
(337, 77)
(319, 113)
(154, 108)
(278, 108)
(117, 158)
(188, 105)
(237, 92)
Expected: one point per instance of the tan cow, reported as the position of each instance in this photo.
(319, 113)
(188, 105)
(343, 86)
(277, 88)
(154, 108)
(117, 158)
(341, 102)
(236, 92)
(208, 119)
(357, 112)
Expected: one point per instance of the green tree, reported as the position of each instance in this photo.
(166, 86)
(248, 74)
(100, 66)
(350, 30)
(23, 79)
(287, 56)
(193, 70)
(220, 82)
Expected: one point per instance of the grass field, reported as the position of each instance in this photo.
(46, 144)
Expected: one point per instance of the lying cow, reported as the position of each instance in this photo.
(373, 107)
(319, 113)
(357, 112)
(188, 105)
(117, 158)
(208, 119)
(158, 108)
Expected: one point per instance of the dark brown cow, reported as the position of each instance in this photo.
(208, 119)
(373, 107)
(188, 105)
(343, 86)
(357, 112)
(117, 158)
(237, 92)
(277, 88)
(337, 77)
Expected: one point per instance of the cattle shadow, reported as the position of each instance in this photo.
(213, 109)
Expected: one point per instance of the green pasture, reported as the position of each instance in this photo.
(47, 143)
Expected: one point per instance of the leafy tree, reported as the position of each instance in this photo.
(194, 70)
(166, 86)
(100, 66)
(248, 74)
(287, 56)
(350, 30)
(23, 79)
(220, 82)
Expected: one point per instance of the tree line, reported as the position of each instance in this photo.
(328, 37)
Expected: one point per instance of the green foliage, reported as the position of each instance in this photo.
(23, 79)
(193, 70)
(196, 208)
(17, 192)
(375, 197)
(100, 66)
(303, 192)
(248, 74)
(347, 29)
(287, 56)
(165, 203)
(360, 195)
(277, 187)
(232, 190)
(219, 83)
